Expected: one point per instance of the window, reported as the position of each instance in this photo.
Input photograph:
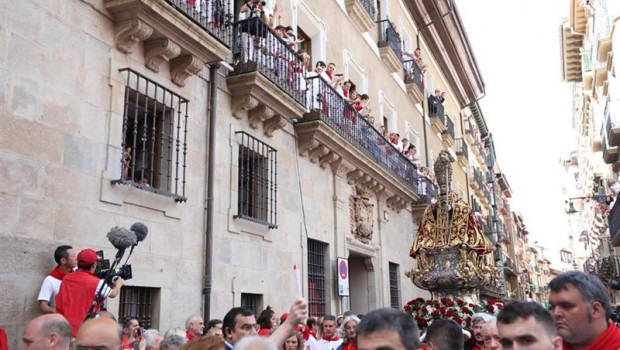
(257, 181)
(305, 45)
(394, 290)
(316, 277)
(251, 302)
(154, 145)
(141, 303)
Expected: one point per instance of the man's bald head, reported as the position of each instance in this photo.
(51, 332)
(101, 333)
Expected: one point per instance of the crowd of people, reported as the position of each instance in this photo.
(332, 95)
(580, 318)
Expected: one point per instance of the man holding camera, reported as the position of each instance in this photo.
(80, 289)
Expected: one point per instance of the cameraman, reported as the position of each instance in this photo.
(80, 288)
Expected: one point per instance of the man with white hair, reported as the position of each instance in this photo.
(194, 326)
(152, 339)
(490, 335)
(476, 342)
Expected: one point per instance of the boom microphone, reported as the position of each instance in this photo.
(140, 230)
(122, 238)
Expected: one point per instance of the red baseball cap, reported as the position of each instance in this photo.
(87, 257)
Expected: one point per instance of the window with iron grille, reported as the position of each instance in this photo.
(257, 176)
(251, 302)
(141, 303)
(154, 145)
(394, 290)
(316, 277)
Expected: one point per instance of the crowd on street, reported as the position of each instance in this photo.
(580, 317)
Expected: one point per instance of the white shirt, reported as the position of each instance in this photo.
(49, 290)
(323, 344)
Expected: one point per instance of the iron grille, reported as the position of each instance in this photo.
(257, 176)
(214, 16)
(316, 277)
(154, 145)
(461, 148)
(251, 302)
(331, 108)
(394, 290)
(256, 47)
(450, 127)
(435, 107)
(139, 302)
(369, 7)
(413, 74)
(388, 36)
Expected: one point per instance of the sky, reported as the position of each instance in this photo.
(527, 107)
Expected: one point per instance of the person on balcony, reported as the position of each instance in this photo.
(253, 18)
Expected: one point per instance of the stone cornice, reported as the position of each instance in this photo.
(325, 146)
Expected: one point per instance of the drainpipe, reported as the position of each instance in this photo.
(425, 99)
(210, 185)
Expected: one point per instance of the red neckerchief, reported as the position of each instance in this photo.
(57, 274)
(125, 343)
(345, 93)
(189, 336)
(394, 143)
(305, 332)
(334, 338)
(608, 340)
(329, 75)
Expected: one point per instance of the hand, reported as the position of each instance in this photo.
(298, 313)
(119, 281)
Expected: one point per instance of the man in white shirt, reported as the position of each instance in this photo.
(65, 263)
(329, 340)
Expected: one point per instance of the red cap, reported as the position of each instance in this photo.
(87, 257)
(283, 317)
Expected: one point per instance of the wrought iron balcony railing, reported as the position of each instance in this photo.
(327, 105)
(214, 16)
(413, 74)
(256, 47)
(435, 108)
(614, 221)
(427, 190)
(389, 37)
(450, 127)
(369, 6)
(461, 148)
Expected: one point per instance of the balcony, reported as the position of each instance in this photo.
(612, 122)
(333, 134)
(267, 81)
(609, 267)
(362, 13)
(470, 131)
(389, 46)
(427, 190)
(436, 113)
(448, 136)
(614, 224)
(187, 34)
(610, 155)
(462, 153)
(413, 80)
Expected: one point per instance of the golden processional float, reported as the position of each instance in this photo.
(450, 247)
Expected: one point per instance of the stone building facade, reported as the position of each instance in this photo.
(119, 111)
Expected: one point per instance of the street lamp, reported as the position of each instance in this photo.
(571, 206)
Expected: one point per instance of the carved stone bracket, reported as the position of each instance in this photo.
(130, 32)
(354, 175)
(317, 153)
(242, 104)
(272, 124)
(396, 203)
(259, 114)
(159, 51)
(183, 67)
(390, 59)
(359, 15)
(328, 159)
